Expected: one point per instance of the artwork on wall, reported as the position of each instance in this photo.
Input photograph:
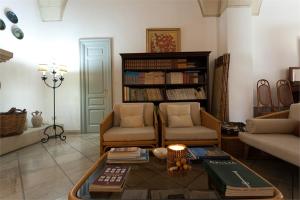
(12, 17)
(163, 39)
(2, 25)
(219, 107)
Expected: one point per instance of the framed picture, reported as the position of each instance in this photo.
(163, 40)
(294, 74)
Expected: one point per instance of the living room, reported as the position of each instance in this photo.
(263, 40)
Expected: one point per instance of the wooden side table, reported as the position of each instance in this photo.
(232, 145)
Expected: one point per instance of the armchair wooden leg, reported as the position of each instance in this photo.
(246, 151)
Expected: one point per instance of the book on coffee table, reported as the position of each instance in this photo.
(201, 153)
(233, 179)
(143, 157)
(123, 152)
(112, 179)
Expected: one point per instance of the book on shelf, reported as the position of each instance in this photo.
(137, 64)
(111, 179)
(143, 157)
(233, 179)
(201, 153)
(144, 94)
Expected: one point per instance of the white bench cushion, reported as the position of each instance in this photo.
(283, 146)
(129, 134)
(190, 133)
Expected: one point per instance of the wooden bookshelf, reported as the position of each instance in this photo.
(165, 77)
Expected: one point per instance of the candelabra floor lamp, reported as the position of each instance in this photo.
(57, 79)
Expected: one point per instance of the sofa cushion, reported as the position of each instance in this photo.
(190, 133)
(195, 111)
(132, 115)
(179, 116)
(271, 125)
(148, 113)
(284, 146)
(129, 134)
(295, 111)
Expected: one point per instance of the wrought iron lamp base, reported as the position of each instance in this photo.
(57, 134)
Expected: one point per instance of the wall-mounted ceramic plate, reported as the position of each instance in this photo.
(11, 16)
(17, 32)
(2, 25)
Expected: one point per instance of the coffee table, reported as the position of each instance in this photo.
(151, 181)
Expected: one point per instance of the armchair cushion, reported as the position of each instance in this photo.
(295, 111)
(116, 134)
(271, 125)
(148, 113)
(194, 110)
(179, 116)
(132, 115)
(190, 133)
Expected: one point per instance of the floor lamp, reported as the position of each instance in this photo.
(55, 73)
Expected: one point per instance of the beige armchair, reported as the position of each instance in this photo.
(205, 129)
(112, 134)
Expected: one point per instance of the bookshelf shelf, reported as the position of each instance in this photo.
(165, 77)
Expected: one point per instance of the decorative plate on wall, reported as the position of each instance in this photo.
(11, 16)
(17, 32)
(2, 25)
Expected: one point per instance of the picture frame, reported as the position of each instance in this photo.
(294, 74)
(163, 40)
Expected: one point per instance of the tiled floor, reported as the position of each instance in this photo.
(48, 171)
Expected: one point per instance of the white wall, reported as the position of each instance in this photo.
(124, 21)
(235, 37)
(276, 37)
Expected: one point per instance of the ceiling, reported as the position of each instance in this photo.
(214, 8)
(52, 10)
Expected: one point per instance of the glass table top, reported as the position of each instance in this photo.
(151, 181)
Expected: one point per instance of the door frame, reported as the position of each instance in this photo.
(83, 127)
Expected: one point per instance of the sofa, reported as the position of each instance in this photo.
(276, 133)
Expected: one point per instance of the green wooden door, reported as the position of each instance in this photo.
(95, 82)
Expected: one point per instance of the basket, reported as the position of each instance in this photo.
(12, 122)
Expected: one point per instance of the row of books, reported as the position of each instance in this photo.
(185, 94)
(159, 64)
(150, 94)
(182, 78)
(144, 78)
(159, 78)
(156, 94)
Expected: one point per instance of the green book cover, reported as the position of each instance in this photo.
(228, 175)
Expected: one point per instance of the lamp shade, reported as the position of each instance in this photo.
(43, 68)
(62, 69)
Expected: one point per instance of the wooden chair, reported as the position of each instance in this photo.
(264, 98)
(284, 94)
(112, 135)
(206, 129)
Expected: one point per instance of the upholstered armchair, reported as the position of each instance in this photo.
(129, 124)
(186, 123)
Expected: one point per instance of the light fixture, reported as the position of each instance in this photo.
(56, 74)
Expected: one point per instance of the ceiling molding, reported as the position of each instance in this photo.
(214, 8)
(52, 10)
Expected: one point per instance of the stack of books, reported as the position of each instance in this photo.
(127, 155)
(111, 179)
(235, 180)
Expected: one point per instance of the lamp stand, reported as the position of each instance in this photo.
(58, 130)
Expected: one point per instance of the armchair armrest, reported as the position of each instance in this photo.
(106, 124)
(155, 126)
(210, 121)
(281, 114)
(162, 122)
